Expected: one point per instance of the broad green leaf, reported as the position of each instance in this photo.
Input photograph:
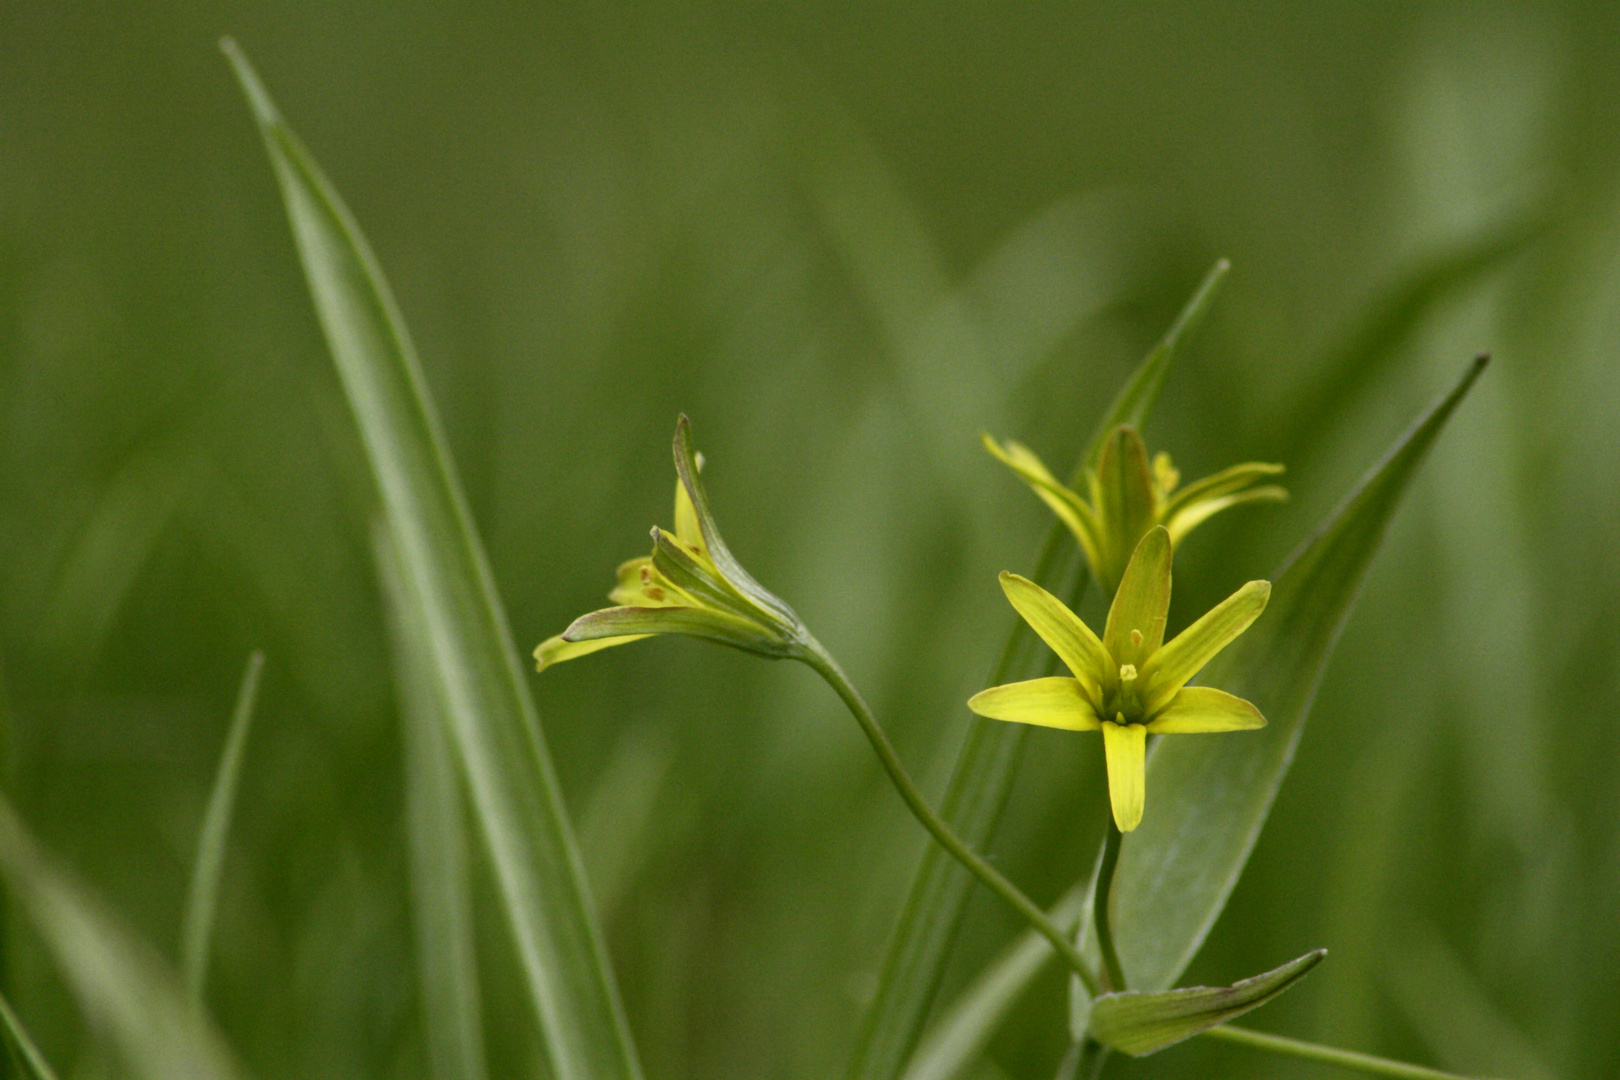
(436, 819)
(1279, 661)
(1139, 1022)
(982, 777)
(126, 988)
(449, 595)
(1211, 796)
(23, 1045)
(197, 919)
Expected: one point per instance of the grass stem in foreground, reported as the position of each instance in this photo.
(1331, 1055)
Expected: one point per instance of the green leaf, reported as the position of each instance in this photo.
(449, 595)
(1135, 400)
(1284, 654)
(964, 1030)
(121, 982)
(197, 919)
(983, 774)
(436, 821)
(19, 1039)
(1139, 1022)
(1210, 797)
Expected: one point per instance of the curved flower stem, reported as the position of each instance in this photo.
(1113, 974)
(825, 666)
(1331, 1055)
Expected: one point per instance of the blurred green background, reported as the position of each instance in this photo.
(844, 239)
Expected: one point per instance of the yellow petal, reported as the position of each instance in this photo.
(1198, 709)
(554, 650)
(1125, 746)
(1141, 602)
(1054, 702)
(1235, 478)
(1070, 508)
(1184, 521)
(1168, 670)
(1062, 629)
(687, 530)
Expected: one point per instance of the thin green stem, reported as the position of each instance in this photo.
(1331, 1055)
(825, 666)
(23, 1044)
(1113, 974)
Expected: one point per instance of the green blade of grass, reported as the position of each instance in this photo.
(982, 779)
(965, 1027)
(1369, 348)
(1210, 801)
(441, 900)
(448, 592)
(19, 1039)
(1135, 399)
(121, 982)
(197, 919)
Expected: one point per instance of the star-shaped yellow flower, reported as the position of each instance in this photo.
(690, 584)
(1132, 683)
(1127, 495)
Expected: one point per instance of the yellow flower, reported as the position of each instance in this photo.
(690, 584)
(1128, 495)
(1132, 683)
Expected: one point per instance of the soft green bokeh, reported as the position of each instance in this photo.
(845, 241)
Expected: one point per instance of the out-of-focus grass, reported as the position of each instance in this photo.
(787, 224)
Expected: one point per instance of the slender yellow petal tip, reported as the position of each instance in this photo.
(554, 650)
(1125, 747)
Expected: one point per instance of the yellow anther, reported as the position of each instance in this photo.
(1136, 638)
(1165, 475)
(1127, 672)
(1119, 718)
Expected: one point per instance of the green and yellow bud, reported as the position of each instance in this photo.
(1126, 494)
(690, 584)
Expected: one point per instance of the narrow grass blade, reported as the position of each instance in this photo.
(1140, 1023)
(1212, 796)
(441, 900)
(982, 778)
(197, 920)
(1311, 599)
(449, 595)
(1367, 348)
(23, 1043)
(1135, 400)
(964, 1030)
(120, 981)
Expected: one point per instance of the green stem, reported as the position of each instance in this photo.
(1331, 1055)
(825, 666)
(1113, 974)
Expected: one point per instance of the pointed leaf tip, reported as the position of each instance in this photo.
(264, 108)
(1143, 1023)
